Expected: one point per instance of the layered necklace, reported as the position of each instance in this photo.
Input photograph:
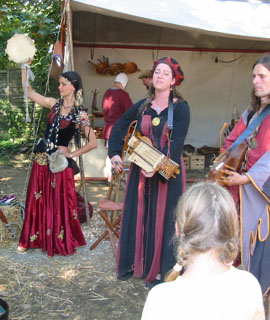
(67, 107)
(54, 129)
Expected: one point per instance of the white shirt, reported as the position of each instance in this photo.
(231, 295)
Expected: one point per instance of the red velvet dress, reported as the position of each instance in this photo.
(51, 218)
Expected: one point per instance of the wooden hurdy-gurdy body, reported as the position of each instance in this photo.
(150, 159)
(227, 160)
(139, 150)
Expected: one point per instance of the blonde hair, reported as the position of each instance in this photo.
(207, 219)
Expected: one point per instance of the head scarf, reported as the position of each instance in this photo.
(74, 78)
(177, 72)
(122, 78)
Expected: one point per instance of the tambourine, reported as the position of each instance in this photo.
(20, 48)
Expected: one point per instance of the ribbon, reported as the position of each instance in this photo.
(29, 76)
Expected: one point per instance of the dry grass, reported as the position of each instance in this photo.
(80, 286)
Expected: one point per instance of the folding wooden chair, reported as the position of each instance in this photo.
(225, 131)
(105, 206)
(111, 205)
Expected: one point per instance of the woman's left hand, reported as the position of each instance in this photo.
(148, 174)
(117, 164)
(235, 178)
(64, 150)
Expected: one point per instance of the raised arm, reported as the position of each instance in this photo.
(33, 95)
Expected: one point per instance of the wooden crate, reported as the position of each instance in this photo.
(187, 162)
(197, 162)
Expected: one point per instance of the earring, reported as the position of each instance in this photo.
(79, 98)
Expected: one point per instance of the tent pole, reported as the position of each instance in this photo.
(69, 29)
(83, 183)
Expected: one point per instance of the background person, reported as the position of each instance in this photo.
(146, 77)
(147, 224)
(210, 288)
(115, 103)
(51, 218)
(253, 182)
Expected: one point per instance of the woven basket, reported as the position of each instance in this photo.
(13, 215)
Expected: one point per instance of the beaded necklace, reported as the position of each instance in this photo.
(56, 124)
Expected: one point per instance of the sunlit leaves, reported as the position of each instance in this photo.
(40, 20)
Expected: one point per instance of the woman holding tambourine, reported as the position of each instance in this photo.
(51, 218)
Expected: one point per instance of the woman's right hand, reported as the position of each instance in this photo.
(46, 102)
(24, 65)
(117, 164)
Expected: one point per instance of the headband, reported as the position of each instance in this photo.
(74, 78)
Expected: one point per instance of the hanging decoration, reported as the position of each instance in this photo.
(57, 65)
(104, 68)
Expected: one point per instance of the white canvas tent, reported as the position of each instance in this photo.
(216, 52)
(247, 18)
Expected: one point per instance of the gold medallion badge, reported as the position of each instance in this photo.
(156, 121)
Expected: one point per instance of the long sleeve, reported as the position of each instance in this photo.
(120, 128)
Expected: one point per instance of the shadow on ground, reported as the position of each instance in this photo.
(81, 286)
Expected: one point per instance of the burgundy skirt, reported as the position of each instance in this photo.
(51, 218)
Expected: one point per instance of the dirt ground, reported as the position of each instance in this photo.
(80, 286)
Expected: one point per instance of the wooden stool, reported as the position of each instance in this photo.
(104, 206)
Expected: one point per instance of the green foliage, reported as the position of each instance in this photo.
(41, 21)
(16, 134)
(14, 119)
(9, 148)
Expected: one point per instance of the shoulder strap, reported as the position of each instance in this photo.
(170, 115)
(140, 110)
(251, 127)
